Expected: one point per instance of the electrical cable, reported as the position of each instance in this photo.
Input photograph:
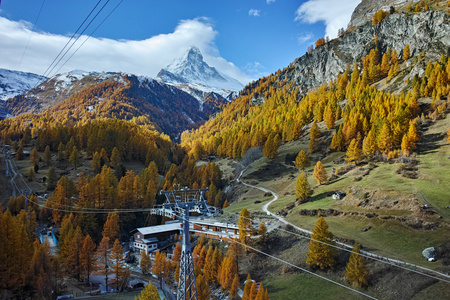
(94, 210)
(79, 27)
(366, 254)
(89, 36)
(292, 265)
(78, 37)
(31, 33)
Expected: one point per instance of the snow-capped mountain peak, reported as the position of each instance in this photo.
(192, 69)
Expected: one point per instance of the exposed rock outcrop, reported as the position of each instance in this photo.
(367, 8)
(428, 31)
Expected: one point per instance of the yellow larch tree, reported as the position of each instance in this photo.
(320, 174)
(354, 153)
(302, 188)
(320, 253)
(369, 144)
(302, 160)
(356, 271)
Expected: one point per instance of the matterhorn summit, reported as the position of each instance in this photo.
(192, 70)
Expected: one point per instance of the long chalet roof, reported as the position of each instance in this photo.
(158, 228)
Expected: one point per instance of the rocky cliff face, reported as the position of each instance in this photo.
(428, 31)
(367, 8)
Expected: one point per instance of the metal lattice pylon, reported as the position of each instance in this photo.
(182, 202)
(187, 286)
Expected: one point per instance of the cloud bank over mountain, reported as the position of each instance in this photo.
(143, 57)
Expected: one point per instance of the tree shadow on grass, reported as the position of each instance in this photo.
(430, 142)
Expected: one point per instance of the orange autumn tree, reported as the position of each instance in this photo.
(88, 256)
(111, 227)
(227, 272)
(118, 266)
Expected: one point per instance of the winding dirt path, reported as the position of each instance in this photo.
(401, 264)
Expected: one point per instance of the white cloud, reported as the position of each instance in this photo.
(335, 14)
(141, 57)
(270, 1)
(304, 37)
(255, 69)
(254, 12)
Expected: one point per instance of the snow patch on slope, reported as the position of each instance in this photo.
(13, 83)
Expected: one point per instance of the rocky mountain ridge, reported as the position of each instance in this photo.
(427, 31)
(367, 8)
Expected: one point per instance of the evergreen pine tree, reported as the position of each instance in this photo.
(369, 144)
(406, 53)
(52, 180)
(253, 290)
(96, 165)
(103, 259)
(234, 287)
(19, 153)
(74, 157)
(30, 174)
(116, 158)
(73, 260)
(61, 151)
(34, 157)
(111, 227)
(203, 290)
(385, 139)
(314, 134)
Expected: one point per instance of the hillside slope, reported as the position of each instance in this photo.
(116, 95)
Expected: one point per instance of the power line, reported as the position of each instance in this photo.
(366, 254)
(297, 267)
(31, 33)
(79, 27)
(96, 15)
(89, 36)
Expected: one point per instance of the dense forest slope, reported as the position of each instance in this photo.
(72, 97)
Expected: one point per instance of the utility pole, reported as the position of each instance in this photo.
(187, 286)
(179, 203)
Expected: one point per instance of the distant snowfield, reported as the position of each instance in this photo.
(13, 83)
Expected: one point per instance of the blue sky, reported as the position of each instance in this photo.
(245, 39)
